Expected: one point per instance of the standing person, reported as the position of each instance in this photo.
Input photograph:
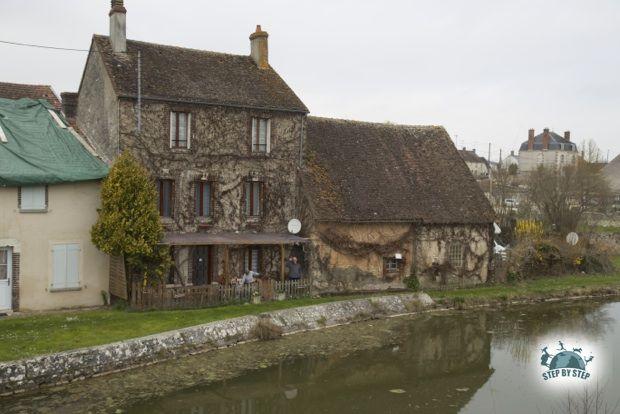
(294, 268)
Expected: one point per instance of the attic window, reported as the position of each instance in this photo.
(57, 118)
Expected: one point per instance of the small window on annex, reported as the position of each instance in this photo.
(455, 254)
(261, 135)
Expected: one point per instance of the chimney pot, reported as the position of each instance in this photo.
(530, 139)
(567, 135)
(259, 48)
(118, 27)
(512, 152)
(69, 104)
(464, 148)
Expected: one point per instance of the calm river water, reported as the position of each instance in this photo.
(482, 361)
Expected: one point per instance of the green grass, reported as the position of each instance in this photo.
(37, 334)
(545, 286)
(26, 336)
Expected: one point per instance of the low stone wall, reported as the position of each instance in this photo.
(32, 373)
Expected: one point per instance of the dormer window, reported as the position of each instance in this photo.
(179, 129)
(261, 135)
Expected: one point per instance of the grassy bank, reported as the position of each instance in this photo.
(544, 287)
(25, 336)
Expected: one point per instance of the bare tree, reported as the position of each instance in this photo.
(561, 196)
(590, 151)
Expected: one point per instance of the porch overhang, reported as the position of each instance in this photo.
(230, 238)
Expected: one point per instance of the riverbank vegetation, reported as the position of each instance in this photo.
(36, 334)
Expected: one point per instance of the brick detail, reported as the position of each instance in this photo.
(15, 281)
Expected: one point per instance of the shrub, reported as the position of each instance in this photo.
(412, 283)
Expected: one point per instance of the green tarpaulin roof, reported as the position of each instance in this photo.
(37, 150)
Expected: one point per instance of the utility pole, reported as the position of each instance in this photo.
(490, 175)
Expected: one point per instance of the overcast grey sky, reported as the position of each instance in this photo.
(487, 70)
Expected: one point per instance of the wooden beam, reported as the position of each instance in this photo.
(282, 262)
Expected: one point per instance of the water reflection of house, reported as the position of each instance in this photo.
(222, 135)
(386, 201)
(440, 366)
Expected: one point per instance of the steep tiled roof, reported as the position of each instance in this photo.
(175, 73)
(471, 156)
(360, 171)
(20, 90)
(556, 142)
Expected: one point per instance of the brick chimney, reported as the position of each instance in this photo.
(69, 105)
(118, 26)
(567, 135)
(530, 140)
(545, 139)
(512, 153)
(259, 48)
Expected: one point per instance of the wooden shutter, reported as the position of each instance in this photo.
(59, 266)
(173, 128)
(254, 134)
(73, 266)
(268, 137)
(33, 197)
(189, 129)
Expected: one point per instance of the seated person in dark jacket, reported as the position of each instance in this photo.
(294, 268)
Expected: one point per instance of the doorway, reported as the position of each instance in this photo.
(6, 267)
(202, 259)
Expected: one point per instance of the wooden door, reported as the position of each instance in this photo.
(202, 265)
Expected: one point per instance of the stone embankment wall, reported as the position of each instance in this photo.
(45, 370)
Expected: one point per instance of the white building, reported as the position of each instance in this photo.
(476, 164)
(548, 149)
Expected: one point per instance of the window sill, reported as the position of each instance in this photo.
(37, 211)
(181, 150)
(253, 219)
(67, 289)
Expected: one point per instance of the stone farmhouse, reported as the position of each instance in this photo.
(384, 202)
(222, 134)
(235, 157)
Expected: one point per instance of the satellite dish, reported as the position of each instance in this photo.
(572, 238)
(294, 226)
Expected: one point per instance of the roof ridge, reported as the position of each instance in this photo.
(178, 47)
(386, 124)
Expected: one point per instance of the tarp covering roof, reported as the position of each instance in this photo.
(39, 150)
(193, 239)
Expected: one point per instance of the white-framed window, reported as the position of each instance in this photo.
(32, 198)
(391, 265)
(455, 254)
(66, 266)
(261, 135)
(180, 123)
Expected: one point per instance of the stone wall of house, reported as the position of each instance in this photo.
(97, 110)
(350, 257)
(47, 370)
(220, 152)
(433, 264)
(530, 160)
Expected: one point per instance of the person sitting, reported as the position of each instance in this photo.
(248, 277)
(294, 268)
